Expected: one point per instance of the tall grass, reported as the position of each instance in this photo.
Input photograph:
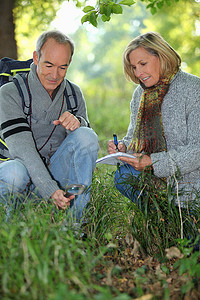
(155, 221)
(41, 258)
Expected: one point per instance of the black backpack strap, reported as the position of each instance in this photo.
(71, 98)
(26, 108)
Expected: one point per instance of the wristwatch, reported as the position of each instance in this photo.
(79, 118)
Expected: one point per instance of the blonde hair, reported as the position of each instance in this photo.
(152, 42)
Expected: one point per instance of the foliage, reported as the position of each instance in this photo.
(106, 8)
(97, 65)
(43, 258)
(180, 27)
(155, 220)
(38, 15)
(97, 68)
(154, 5)
(40, 12)
(43, 12)
(32, 17)
(189, 266)
(157, 213)
(124, 255)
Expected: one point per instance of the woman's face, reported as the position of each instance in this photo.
(146, 66)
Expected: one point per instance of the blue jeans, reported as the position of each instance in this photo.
(73, 162)
(122, 182)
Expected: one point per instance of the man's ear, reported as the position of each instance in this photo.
(35, 58)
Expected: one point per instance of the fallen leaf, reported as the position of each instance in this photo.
(159, 272)
(145, 297)
(135, 250)
(129, 238)
(173, 252)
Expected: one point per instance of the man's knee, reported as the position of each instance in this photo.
(86, 137)
(14, 175)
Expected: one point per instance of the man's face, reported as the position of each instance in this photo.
(52, 64)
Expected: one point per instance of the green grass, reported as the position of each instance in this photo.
(40, 258)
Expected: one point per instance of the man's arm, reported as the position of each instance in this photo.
(70, 121)
(18, 137)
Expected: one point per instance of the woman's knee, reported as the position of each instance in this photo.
(123, 176)
(124, 182)
(119, 179)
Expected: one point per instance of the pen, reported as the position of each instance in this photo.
(115, 141)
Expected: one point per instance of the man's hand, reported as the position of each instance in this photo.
(112, 147)
(68, 121)
(139, 163)
(60, 201)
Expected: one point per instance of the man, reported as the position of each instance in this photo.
(52, 145)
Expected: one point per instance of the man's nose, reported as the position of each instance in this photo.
(54, 73)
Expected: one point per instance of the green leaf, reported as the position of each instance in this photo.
(165, 269)
(78, 4)
(93, 19)
(88, 8)
(117, 9)
(127, 2)
(187, 287)
(105, 18)
(101, 9)
(84, 19)
(160, 5)
(107, 10)
(150, 5)
(168, 2)
(153, 10)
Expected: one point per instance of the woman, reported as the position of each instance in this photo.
(164, 130)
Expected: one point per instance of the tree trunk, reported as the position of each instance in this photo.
(8, 46)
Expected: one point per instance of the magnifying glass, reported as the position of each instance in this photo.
(74, 189)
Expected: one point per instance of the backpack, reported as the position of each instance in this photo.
(8, 69)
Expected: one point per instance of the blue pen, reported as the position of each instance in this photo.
(115, 141)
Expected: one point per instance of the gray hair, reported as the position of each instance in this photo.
(58, 36)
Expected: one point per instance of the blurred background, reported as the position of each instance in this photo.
(97, 64)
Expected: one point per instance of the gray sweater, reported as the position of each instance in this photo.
(181, 123)
(23, 143)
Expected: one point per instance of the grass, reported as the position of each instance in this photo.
(124, 255)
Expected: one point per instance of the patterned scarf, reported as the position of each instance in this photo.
(149, 136)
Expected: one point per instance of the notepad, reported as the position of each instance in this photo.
(112, 159)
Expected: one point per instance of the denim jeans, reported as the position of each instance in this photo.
(122, 178)
(73, 162)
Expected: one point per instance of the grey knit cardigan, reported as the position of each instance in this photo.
(181, 122)
(22, 142)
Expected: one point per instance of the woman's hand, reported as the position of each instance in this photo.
(60, 201)
(112, 147)
(139, 163)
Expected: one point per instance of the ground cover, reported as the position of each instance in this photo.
(127, 253)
